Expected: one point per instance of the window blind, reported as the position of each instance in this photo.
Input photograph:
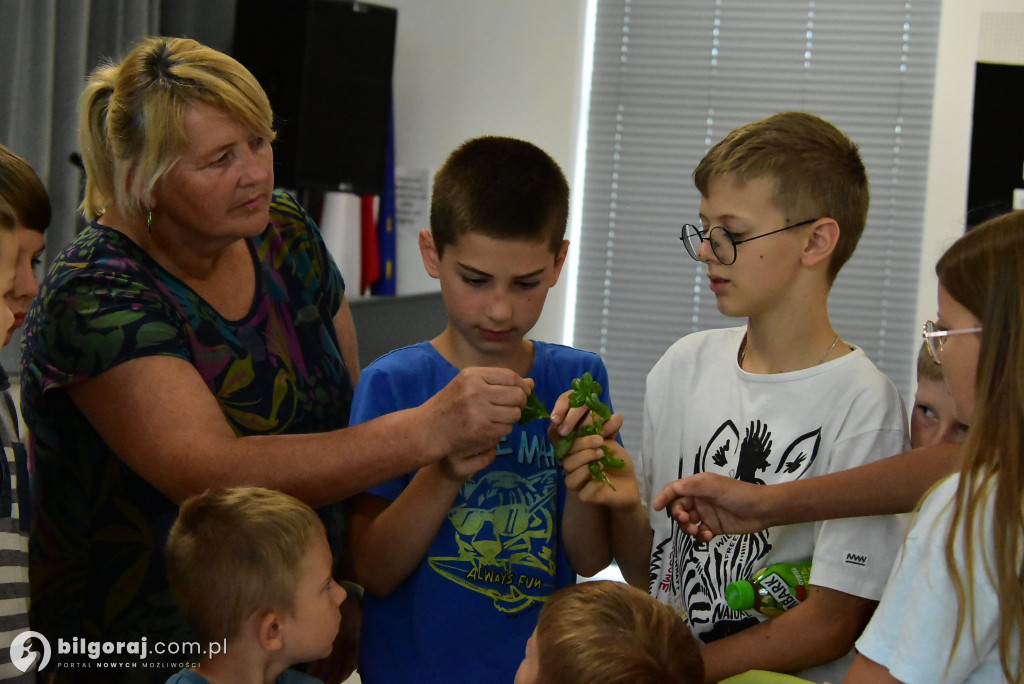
(672, 77)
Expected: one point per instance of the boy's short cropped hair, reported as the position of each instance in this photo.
(500, 187)
(23, 199)
(817, 170)
(605, 631)
(235, 552)
(927, 369)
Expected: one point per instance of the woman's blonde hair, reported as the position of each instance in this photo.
(984, 272)
(613, 633)
(131, 128)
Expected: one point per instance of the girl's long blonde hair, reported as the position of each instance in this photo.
(984, 271)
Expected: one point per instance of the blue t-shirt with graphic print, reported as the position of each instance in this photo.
(467, 610)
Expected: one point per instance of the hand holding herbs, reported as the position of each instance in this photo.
(585, 392)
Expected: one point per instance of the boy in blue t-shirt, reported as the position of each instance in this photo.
(458, 557)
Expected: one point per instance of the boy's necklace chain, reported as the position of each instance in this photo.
(743, 351)
(828, 351)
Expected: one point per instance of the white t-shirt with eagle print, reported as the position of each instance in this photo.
(702, 412)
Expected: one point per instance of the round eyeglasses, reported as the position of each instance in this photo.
(935, 337)
(722, 242)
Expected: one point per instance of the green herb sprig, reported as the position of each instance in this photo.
(585, 392)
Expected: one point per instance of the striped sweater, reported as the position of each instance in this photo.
(14, 525)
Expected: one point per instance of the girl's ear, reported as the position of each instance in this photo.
(428, 250)
(821, 242)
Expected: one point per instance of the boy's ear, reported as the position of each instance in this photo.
(268, 631)
(431, 260)
(821, 242)
(560, 261)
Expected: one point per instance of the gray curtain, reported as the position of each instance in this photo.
(47, 48)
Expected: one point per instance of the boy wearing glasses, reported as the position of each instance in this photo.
(783, 204)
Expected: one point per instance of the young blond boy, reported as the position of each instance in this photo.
(458, 558)
(783, 204)
(933, 418)
(251, 569)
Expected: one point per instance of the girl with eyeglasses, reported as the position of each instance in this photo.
(954, 606)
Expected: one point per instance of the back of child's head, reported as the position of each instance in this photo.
(927, 369)
(613, 633)
(817, 171)
(500, 187)
(23, 199)
(236, 552)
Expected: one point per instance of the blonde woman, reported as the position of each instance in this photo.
(196, 335)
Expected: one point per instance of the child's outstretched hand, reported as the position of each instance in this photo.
(707, 504)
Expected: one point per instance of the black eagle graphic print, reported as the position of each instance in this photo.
(698, 572)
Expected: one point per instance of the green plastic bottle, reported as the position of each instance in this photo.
(772, 590)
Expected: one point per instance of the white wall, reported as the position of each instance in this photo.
(949, 161)
(465, 68)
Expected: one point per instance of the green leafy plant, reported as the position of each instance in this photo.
(585, 392)
(535, 409)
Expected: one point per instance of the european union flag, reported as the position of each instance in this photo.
(385, 284)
